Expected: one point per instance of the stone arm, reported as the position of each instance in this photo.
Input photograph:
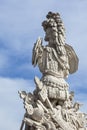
(37, 51)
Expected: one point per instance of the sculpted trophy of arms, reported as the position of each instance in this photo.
(51, 106)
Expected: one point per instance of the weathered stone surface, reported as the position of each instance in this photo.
(51, 106)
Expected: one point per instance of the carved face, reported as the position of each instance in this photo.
(48, 34)
(51, 34)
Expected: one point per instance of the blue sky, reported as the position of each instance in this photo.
(20, 26)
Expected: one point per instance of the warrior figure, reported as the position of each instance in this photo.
(54, 59)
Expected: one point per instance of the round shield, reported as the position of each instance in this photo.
(73, 59)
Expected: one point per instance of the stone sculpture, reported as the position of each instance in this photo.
(51, 106)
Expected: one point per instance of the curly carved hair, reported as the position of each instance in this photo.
(55, 23)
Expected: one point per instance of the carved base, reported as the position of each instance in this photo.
(43, 113)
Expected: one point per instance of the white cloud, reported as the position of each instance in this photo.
(4, 60)
(11, 106)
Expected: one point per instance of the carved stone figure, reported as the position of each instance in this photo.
(51, 106)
